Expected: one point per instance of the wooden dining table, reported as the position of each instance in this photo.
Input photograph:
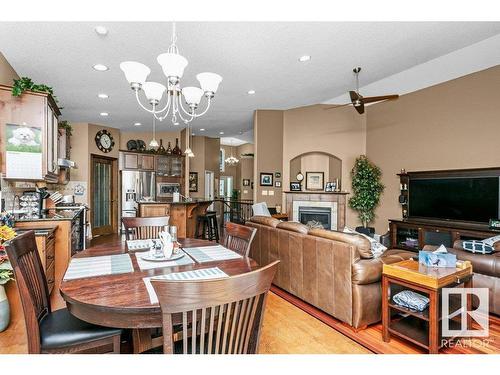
(122, 300)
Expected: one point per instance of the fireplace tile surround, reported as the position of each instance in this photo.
(336, 201)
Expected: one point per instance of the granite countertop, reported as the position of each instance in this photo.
(38, 231)
(50, 215)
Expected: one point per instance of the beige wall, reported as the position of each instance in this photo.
(7, 72)
(246, 165)
(268, 138)
(452, 125)
(206, 151)
(340, 132)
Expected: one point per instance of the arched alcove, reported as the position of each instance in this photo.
(316, 161)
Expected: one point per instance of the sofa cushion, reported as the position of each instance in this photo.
(362, 244)
(293, 226)
(265, 220)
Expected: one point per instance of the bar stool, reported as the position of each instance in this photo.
(209, 228)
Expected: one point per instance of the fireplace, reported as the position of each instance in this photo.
(316, 216)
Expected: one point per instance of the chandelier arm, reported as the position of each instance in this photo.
(209, 101)
(179, 101)
(166, 109)
(139, 101)
(167, 105)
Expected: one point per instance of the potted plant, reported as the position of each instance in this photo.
(366, 189)
(6, 233)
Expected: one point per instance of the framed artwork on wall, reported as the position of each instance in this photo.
(295, 186)
(277, 184)
(266, 179)
(193, 182)
(277, 174)
(315, 180)
(246, 182)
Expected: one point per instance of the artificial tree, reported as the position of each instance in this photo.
(366, 189)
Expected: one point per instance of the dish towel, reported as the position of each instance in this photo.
(98, 266)
(148, 265)
(211, 253)
(411, 300)
(201, 274)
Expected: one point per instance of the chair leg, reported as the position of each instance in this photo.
(210, 231)
(116, 344)
(216, 230)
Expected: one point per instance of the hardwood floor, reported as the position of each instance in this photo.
(371, 337)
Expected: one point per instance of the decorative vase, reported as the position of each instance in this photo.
(169, 149)
(4, 309)
(177, 150)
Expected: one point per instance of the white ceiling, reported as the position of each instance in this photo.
(259, 56)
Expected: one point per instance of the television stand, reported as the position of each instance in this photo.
(414, 234)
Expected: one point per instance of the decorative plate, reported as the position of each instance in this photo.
(151, 258)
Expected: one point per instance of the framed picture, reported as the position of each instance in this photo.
(330, 186)
(277, 174)
(193, 182)
(246, 182)
(277, 183)
(315, 180)
(295, 186)
(266, 179)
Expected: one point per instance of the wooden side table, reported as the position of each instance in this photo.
(421, 328)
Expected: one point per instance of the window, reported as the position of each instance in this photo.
(222, 158)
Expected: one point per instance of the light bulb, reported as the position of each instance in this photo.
(153, 143)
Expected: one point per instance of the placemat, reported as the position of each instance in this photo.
(211, 253)
(98, 266)
(148, 265)
(201, 274)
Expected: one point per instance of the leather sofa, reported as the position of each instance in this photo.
(486, 271)
(332, 271)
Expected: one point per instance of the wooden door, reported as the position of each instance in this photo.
(103, 198)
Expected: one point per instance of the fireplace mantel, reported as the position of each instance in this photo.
(337, 201)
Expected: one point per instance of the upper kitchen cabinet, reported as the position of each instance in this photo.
(28, 142)
(136, 161)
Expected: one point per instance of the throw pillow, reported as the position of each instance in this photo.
(491, 241)
(477, 247)
(376, 247)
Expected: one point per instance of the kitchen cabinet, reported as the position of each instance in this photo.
(136, 161)
(169, 165)
(29, 142)
(154, 209)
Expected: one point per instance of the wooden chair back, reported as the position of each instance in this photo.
(143, 228)
(238, 238)
(31, 283)
(222, 316)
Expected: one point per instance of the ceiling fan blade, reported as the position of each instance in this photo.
(373, 99)
(354, 96)
(335, 106)
(360, 108)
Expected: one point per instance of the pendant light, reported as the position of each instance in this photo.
(154, 142)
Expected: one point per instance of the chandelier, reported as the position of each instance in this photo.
(231, 161)
(173, 65)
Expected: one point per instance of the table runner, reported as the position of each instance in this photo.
(148, 265)
(211, 253)
(200, 274)
(98, 266)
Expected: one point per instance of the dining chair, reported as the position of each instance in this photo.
(143, 228)
(50, 331)
(221, 316)
(238, 238)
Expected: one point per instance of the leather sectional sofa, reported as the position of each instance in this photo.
(330, 270)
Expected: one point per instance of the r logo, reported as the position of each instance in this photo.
(480, 315)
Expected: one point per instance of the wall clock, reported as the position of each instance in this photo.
(104, 141)
(300, 177)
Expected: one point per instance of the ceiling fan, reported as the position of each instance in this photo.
(359, 101)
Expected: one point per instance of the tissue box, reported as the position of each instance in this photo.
(437, 259)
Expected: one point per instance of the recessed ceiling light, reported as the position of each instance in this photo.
(104, 114)
(100, 67)
(251, 92)
(221, 132)
(101, 30)
(103, 96)
(202, 130)
(304, 58)
(137, 124)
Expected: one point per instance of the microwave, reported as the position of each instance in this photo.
(167, 189)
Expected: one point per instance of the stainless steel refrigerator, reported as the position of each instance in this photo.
(136, 186)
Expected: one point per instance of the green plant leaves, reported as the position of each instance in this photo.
(366, 188)
(26, 84)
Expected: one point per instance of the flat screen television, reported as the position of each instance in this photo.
(471, 199)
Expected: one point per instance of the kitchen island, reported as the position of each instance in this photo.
(182, 214)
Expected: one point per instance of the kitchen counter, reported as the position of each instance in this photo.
(194, 201)
(50, 215)
(182, 214)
